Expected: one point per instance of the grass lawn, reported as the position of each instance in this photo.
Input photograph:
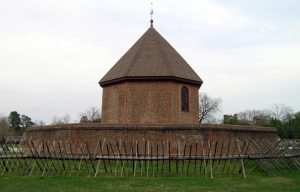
(259, 182)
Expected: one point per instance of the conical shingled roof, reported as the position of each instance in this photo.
(151, 58)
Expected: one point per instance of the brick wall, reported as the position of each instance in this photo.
(113, 104)
(152, 132)
(148, 102)
(158, 135)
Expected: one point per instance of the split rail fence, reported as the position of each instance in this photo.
(119, 158)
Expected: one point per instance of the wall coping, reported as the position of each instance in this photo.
(164, 127)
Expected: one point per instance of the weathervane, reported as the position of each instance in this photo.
(151, 13)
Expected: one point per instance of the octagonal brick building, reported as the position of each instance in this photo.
(150, 94)
(150, 84)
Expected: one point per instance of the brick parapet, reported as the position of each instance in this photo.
(100, 126)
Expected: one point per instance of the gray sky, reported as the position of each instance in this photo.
(53, 53)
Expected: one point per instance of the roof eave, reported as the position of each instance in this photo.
(150, 78)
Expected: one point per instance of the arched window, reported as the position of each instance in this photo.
(184, 99)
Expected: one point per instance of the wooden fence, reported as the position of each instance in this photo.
(119, 158)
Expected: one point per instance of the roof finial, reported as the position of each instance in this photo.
(151, 13)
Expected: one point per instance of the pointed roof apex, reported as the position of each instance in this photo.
(151, 58)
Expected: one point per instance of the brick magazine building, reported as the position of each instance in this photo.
(151, 93)
(151, 83)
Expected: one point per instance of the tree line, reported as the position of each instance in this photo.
(91, 115)
(279, 116)
(16, 124)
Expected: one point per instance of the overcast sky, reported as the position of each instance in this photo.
(54, 52)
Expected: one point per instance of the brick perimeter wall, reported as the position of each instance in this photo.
(156, 134)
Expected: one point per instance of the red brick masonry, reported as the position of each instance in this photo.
(90, 132)
(148, 103)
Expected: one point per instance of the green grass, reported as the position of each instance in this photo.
(289, 181)
(233, 180)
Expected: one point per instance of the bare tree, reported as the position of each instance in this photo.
(38, 123)
(57, 120)
(281, 112)
(92, 114)
(250, 115)
(208, 108)
(66, 118)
